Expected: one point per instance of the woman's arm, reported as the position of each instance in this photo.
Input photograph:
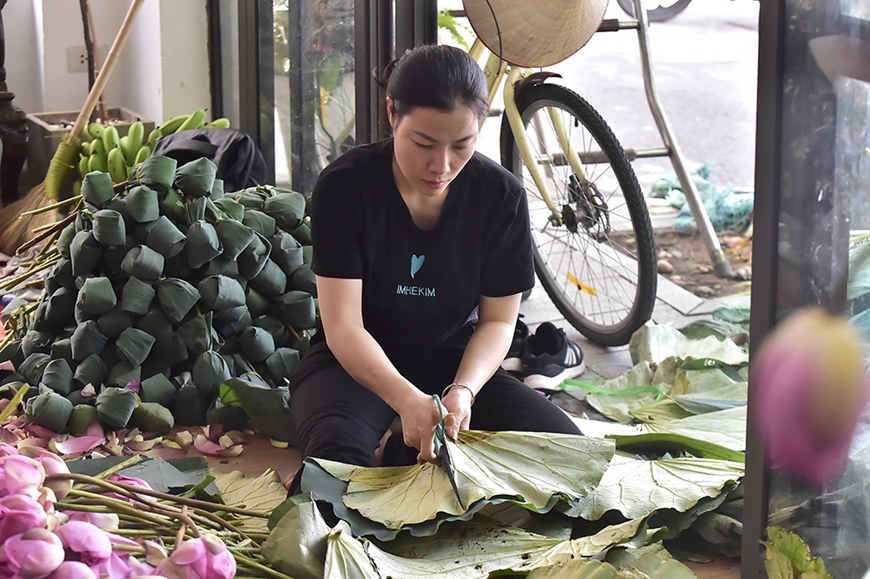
(497, 318)
(363, 358)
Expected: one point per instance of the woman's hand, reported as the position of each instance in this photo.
(420, 416)
(458, 404)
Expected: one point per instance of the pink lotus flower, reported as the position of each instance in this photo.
(809, 387)
(129, 480)
(105, 521)
(34, 554)
(51, 464)
(18, 514)
(72, 570)
(203, 558)
(19, 474)
(84, 542)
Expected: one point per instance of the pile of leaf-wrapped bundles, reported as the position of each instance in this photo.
(176, 289)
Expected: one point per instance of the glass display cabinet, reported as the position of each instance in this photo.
(811, 247)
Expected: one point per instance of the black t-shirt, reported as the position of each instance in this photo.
(420, 287)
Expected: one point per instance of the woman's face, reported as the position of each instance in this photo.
(432, 146)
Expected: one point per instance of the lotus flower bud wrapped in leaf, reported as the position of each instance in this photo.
(142, 204)
(221, 265)
(203, 244)
(152, 418)
(158, 389)
(250, 198)
(136, 297)
(59, 307)
(811, 388)
(304, 279)
(11, 352)
(169, 351)
(85, 253)
(155, 323)
(33, 366)
(97, 296)
(196, 178)
(143, 262)
(189, 407)
(61, 349)
(231, 208)
(275, 327)
(233, 321)
(179, 268)
(113, 257)
(172, 205)
(194, 210)
(58, 376)
(257, 344)
(231, 417)
(165, 238)
(303, 232)
(87, 339)
(122, 374)
(91, 370)
(81, 417)
(61, 276)
(115, 406)
(97, 189)
(35, 341)
(217, 190)
(176, 297)
(77, 397)
(259, 222)
(286, 252)
(109, 227)
(281, 364)
(271, 281)
(287, 208)
(113, 322)
(220, 292)
(234, 235)
(257, 304)
(209, 370)
(65, 239)
(254, 257)
(297, 309)
(50, 410)
(157, 172)
(82, 316)
(197, 333)
(134, 345)
(119, 204)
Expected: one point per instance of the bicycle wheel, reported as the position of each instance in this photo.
(656, 10)
(598, 263)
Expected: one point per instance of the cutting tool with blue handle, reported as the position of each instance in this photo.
(443, 454)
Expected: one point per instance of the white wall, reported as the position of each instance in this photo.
(162, 70)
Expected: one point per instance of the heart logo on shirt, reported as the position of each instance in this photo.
(416, 264)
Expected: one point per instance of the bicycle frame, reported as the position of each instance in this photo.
(497, 70)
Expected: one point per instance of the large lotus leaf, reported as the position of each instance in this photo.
(859, 269)
(636, 488)
(533, 467)
(268, 409)
(719, 434)
(616, 398)
(262, 494)
(346, 557)
(654, 343)
(297, 544)
(653, 560)
(664, 410)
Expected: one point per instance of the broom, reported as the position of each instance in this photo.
(18, 219)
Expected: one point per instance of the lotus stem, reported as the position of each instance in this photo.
(47, 246)
(57, 205)
(260, 567)
(133, 460)
(16, 280)
(46, 231)
(16, 400)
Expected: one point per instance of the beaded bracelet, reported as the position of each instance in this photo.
(460, 385)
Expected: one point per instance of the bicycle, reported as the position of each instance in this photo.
(656, 10)
(594, 250)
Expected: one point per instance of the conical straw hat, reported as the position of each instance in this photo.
(535, 33)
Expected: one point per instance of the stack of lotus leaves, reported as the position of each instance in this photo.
(166, 293)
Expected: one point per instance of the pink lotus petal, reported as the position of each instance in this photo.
(95, 429)
(117, 567)
(7, 366)
(79, 444)
(205, 446)
(235, 450)
(8, 437)
(89, 391)
(133, 385)
(41, 431)
(225, 441)
(73, 570)
(141, 445)
(184, 438)
(34, 442)
(105, 521)
(119, 540)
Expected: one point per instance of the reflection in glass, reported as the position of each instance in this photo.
(314, 87)
(824, 244)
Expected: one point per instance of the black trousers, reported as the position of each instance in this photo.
(339, 419)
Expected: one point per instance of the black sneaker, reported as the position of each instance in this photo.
(550, 358)
(513, 362)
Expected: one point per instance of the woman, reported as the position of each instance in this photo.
(422, 251)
